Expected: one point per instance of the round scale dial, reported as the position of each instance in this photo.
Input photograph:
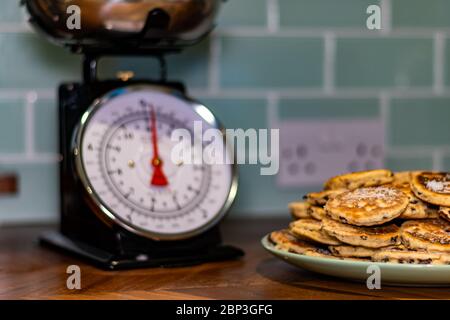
(124, 159)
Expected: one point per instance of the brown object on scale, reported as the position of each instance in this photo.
(181, 21)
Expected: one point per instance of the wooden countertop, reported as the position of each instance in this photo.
(28, 271)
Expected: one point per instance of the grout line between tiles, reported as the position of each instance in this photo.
(30, 101)
(15, 27)
(416, 151)
(273, 102)
(438, 160)
(329, 62)
(36, 158)
(438, 62)
(297, 32)
(318, 92)
(385, 103)
(214, 64)
(273, 28)
(273, 16)
(386, 16)
(11, 93)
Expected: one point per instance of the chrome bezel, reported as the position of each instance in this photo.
(101, 209)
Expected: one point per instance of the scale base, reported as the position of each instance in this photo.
(110, 261)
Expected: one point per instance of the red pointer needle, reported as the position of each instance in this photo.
(158, 178)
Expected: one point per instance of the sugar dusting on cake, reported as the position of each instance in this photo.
(372, 193)
(438, 186)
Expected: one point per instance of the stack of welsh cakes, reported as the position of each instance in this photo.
(374, 215)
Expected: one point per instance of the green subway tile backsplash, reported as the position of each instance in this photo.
(37, 196)
(403, 163)
(419, 13)
(324, 13)
(27, 61)
(384, 62)
(420, 122)
(260, 194)
(46, 126)
(446, 163)
(311, 76)
(328, 108)
(239, 13)
(447, 65)
(271, 62)
(12, 127)
(11, 12)
(239, 113)
(191, 66)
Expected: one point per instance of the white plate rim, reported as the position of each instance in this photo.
(271, 248)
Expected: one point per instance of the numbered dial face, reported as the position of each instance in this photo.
(124, 158)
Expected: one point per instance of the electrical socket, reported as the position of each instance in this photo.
(313, 151)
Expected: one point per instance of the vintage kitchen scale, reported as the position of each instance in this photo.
(124, 203)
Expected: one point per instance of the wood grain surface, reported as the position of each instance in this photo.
(28, 271)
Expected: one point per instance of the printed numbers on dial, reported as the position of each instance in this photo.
(117, 163)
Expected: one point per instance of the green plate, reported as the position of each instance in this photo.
(391, 273)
